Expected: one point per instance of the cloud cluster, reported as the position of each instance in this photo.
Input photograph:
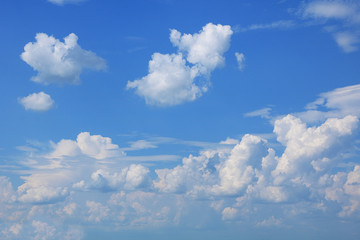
(59, 62)
(345, 15)
(174, 78)
(37, 102)
(95, 146)
(306, 168)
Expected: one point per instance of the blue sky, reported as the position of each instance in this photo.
(166, 119)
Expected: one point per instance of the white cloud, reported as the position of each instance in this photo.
(263, 113)
(62, 2)
(43, 231)
(97, 211)
(347, 41)
(338, 103)
(229, 213)
(237, 171)
(206, 48)
(37, 102)
(7, 193)
(169, 82)
(172, 77)
(94, 146)
(45, 187)
(304, 145)
(282, 24)
(328, 9)
(59, 62)
(240, 58)
(346, 15)
(272, 221)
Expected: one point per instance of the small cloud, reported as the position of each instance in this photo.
(272, 221)
(240, 58)
(39, 102)
(229, 213)
(347, 41)
(282, 24)
(63, 2)
(263, 113)
(59, 62)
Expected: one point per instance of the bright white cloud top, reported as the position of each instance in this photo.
(172, 78)
(59, 62)
(40, 102)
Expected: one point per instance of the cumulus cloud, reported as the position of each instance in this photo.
(132, 177)
(306, 144)
(94, 146)
(45, 187)
(40, 102)
(172, 78)
(59, 62)
(346, 14)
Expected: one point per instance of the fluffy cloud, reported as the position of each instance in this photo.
(346, 13)
(304, 145)
(59, 62)
(6, 190)
(172, 77)
(43, 230)
(169, 82)
(204, 49)
(37, 102)
(132, 177)
(94, 146)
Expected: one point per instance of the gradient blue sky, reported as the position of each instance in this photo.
(166, 119)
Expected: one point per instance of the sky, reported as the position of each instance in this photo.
(168, 119)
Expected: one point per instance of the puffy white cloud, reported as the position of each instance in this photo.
(206, 48)
(169, 82)
(240, 58)
(37, 102)
(172, 77)
(132, 177)
(237, 172)
(94, 146)
(62, 2)
(304, 145)
(59, 62)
